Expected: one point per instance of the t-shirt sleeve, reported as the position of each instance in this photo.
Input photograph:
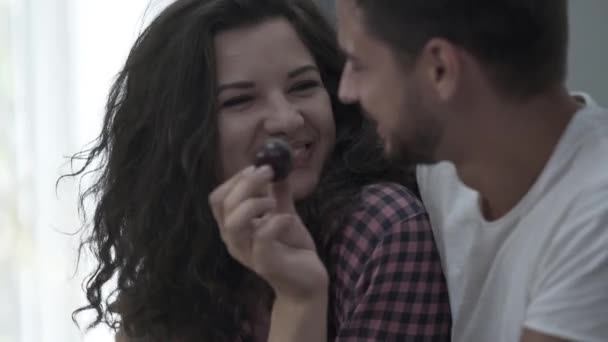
(569, 297)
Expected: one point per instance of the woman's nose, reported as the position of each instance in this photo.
(283, 116)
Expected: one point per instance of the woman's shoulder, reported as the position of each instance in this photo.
(385, 211)
(390, 202)
(388, 235)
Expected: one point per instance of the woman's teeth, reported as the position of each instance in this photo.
(299, 151)
(301, 154)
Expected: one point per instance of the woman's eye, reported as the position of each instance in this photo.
(305, 85)
(236, 101)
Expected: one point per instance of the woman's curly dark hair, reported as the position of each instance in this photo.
(155, 163)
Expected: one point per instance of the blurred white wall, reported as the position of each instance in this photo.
(588, 62)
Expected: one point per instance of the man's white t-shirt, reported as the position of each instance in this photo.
(544, 265)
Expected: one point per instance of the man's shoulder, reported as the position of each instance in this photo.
(443, 192)
(586, 212)
(440, 177)
(588, 130)
(579, 166)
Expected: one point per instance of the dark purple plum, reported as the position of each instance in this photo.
(277, 154)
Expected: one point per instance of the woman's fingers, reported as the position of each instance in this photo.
(218, 196)
(251, 184)
(294, 270)
(267, 246)
(271, 230)
(242, 216)
(237, 203)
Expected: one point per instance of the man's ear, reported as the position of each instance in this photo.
(442, 67)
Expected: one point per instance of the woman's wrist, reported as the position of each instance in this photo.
(300, 319)
(315, 291)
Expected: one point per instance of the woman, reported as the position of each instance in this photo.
(203, 87)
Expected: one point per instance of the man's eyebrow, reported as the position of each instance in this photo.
(301, 70)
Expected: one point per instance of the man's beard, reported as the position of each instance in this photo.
(419, 147)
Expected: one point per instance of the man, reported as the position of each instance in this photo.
(514, 169)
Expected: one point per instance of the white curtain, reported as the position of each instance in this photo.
(57, 60)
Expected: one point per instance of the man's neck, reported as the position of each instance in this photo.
(515, 143)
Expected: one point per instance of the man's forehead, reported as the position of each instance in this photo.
(348, 14)
(346, 4)
(347, 10)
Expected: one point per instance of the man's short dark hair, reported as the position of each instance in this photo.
(523, 43)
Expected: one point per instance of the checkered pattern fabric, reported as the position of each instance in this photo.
(387, 280)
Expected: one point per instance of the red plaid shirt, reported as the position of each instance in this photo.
(387, 280)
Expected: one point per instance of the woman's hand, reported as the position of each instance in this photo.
(261, 229)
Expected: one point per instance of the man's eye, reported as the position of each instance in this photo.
(356, 67)
(305, 85)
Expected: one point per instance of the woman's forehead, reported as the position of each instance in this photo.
(273, 43)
